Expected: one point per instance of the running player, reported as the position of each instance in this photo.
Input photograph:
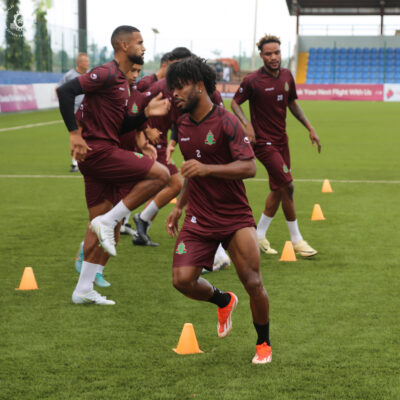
(217, 157)
(148, 80)
(163, 124)
(270, 91)
(110, 173)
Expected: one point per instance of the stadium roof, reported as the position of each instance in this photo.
(343, 7)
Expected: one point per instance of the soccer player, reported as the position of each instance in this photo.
(218, 156)
(132, 141)
(163, 124)
(116, 180)
(148, 80)
(270, 91)
(82, 65)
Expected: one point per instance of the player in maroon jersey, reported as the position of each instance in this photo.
(270, 91)
(148, 80)
(110, 173)
(218, 156)
(163, 124)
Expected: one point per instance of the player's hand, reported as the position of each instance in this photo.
(157, 107)
(315, 139)
(192, 168)
(172, 221)
(170, 150)
(78, 146)
(149, 150)
(153, 134)
(250, 133)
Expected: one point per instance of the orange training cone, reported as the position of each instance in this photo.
(326, 187)
(288, 252)
(28, 281)
(187, 342)
(317, 213)
(173, 201)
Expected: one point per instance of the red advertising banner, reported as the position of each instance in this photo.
(17, 98)
(340, 92)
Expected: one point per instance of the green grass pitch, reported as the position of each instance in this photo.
(334, 319)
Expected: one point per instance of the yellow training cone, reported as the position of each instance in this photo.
(317, 213)
(28, 281)
(288, 253)
(326, 187)
(173, 201)
(187, 342)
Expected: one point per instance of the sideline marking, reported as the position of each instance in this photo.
(16, 128)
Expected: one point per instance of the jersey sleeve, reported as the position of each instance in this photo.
(95, 80)
(292, 89)
(244, 91)
(239, 143)
(216, 98)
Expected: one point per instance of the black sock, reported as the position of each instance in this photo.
(263, 333)
(219, 298)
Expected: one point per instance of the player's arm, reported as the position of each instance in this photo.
(297, 111)
(156, 108)
(238, 169)
(237, 110)
(174, 216)
(145, 147)
(66, 98)
(173, 140)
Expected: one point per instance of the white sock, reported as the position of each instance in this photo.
(149, 212)
(263, 225)
(100, 269)
(86, 278)
(221, 253)
(116, 214)
(295, 234)
(126, 219)
(74, 162)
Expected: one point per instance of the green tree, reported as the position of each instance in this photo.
(17, 54)
(43, 53)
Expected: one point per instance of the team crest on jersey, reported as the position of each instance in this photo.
(181, 248)
(93, 76)
(285, 169)
(134, 109)
(209, 138)
(138, 155)
(286, 87)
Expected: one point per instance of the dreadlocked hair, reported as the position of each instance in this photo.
(191, 70)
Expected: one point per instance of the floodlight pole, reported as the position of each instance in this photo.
(253, 56)
(82, 26)
(156, 32)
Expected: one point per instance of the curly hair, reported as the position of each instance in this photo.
(191, 70)
(267, 39)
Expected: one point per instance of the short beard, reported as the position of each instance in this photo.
(134, 59)
(192, 102)
(274, 69)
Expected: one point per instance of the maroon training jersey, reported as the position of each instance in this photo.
(216, 98)
(136, 104)
(146, 82)
(268, 97)
(105, 104)
(164, 123)
(215, 203)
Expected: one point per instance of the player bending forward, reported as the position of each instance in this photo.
(217, 157)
